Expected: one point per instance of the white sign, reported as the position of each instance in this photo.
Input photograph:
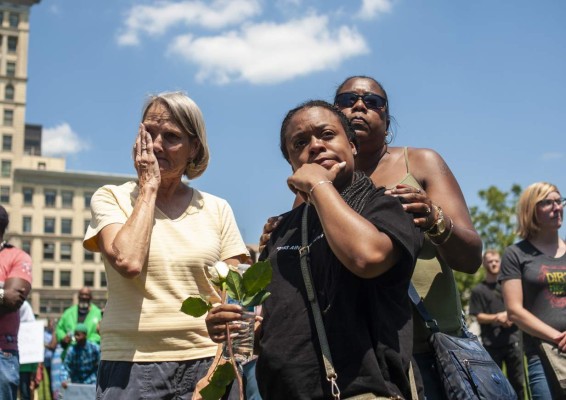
(30, 342)
(79, 391)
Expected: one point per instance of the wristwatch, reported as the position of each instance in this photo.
(1, 296)
(439, 226)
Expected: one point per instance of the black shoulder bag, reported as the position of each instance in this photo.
(466, 369)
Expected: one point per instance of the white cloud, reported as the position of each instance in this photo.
(155, 19)
(61, 141)
(372, 8)
(552, 156)
(54, 9)
(270, 53)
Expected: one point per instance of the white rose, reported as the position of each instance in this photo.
(219, 271)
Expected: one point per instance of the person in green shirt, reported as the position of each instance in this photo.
(85, 312)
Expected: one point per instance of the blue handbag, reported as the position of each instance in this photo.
(466, 369)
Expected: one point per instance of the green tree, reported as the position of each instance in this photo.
(495, 222)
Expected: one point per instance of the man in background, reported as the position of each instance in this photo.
(500, 337)
(86, 313)
(15, 284)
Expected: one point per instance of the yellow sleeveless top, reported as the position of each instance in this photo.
(435, 283)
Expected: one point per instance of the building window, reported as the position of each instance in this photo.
(67, 199)
(26, 246)
(28, 195)
(87, 223)
(88, 255)
(6, 168)
(10, 68)
(4, 194)
(66, 251)
(49, 225)
(103, 282)
(88, 197)
(14, 20)
(26, 225)
(12, 44)
(7, 142)
(49, 251)
(9, 92)
(88, 278)
(8, 117)
(50, 196)
(66, 226)
(47, 277)
(54, 307)
(65, 278)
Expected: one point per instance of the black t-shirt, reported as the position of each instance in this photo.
(543, 279)
(367, 321)
(487, 298)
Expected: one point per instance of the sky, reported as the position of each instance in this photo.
(482, 82)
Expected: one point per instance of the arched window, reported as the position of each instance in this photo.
(9, 92)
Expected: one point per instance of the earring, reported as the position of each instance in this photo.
(388, 137)
(192, 165)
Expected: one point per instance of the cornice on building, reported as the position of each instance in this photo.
(27, 3)
(69, 178)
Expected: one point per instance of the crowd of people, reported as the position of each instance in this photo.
(368, 220)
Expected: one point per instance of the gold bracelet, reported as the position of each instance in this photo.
(447, 236)
(438, 213)
(317, 184)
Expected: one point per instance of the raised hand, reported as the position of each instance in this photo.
(145, 161)
(417, 202)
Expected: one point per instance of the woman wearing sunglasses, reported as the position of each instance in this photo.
(533, 285)
(428, 189)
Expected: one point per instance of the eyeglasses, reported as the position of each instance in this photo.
(549, 202)
(371, 100)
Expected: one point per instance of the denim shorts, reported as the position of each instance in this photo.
(149, 380)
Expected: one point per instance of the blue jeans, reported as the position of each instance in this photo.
(9, 375)
(252, 391)
(537, 379)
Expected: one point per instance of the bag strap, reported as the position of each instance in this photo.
(304, 251)
(417, 300)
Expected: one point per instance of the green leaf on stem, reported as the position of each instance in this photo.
(256, 299)
(257, 277)
(223, 375)
(195, 306)
(212, 392)
(234, 286)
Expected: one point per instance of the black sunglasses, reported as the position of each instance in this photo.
(371, 100)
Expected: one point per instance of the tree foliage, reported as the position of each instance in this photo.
(495, 222)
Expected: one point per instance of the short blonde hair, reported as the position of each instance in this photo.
(189, 118)
(490, 251)
(527, 223)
